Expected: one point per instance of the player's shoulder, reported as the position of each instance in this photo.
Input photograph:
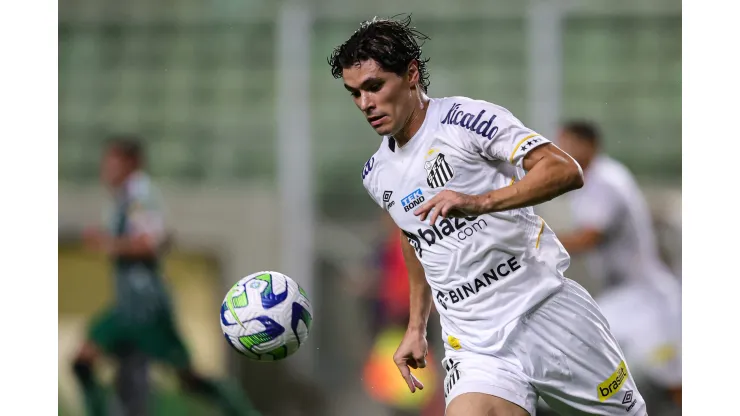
(372, 165)
(477, 116)
(451, 106)
(608, 179)
(608, 171)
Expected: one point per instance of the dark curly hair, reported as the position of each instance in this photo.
(393, 44)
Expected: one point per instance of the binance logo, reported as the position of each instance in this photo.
(454, 342)
(612, 384)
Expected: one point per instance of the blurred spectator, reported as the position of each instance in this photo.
(139, 324)
(614, 231)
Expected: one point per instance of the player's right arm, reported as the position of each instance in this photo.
(413, 349)
(421, 294)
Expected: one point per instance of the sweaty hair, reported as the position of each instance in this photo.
(128, 146)
(584, 130)
(393, 44)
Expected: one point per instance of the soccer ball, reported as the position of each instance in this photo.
(266, 316)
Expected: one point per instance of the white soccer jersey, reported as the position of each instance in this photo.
(611, 201)
(143, 208)
(487, 271)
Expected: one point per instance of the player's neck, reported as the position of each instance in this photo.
(418, 114)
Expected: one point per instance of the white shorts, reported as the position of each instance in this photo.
(647, 326)
(562, 351)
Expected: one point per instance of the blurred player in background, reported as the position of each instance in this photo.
(641, 298)
(139, 325)
(459, 177)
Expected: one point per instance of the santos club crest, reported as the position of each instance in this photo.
(439, 172)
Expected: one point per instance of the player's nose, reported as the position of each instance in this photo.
(366, 104)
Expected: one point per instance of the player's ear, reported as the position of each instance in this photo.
(412, 73)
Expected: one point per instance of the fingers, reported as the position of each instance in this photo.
(431, 206)
(440, 210)
(416, 362)
(406, 374)
(411, 381)
(440, 206)
(423, 210)
(418, 384)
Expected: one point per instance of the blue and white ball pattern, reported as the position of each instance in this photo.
(266, 316)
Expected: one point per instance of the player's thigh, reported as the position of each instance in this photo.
(482, 404)
(573, 360)
(486, 383)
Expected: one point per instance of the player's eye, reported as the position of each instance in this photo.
(375, 87)
(354, 94)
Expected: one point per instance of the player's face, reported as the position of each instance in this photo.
(114, 168)
(579, 149)
(385, 99)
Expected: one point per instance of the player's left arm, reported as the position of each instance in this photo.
(550, 171)
(144, 238)
(598, 210)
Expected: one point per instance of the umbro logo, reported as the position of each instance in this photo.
(387, 198)
(627, 397)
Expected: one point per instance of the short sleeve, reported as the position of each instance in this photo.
(492, 131)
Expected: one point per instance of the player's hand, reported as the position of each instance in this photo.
(95, 240)
(450, 204)
(411, 353)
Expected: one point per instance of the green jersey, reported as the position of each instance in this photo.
(140, 293)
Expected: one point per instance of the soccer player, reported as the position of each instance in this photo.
(140, 322)
(641, 297)
(459, 177)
